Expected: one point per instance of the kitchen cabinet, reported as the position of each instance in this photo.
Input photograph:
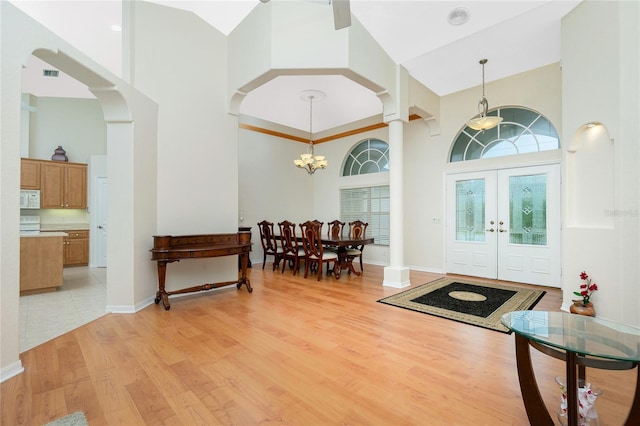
(29, 174)
(76, 248)
(63, 185)
(41, 262)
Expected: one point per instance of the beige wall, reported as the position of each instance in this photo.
(270, 186)
(180, 62)
(601, 74)
(75, 124)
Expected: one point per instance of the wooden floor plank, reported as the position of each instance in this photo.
(294, 352)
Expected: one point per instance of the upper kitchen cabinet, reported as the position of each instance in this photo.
(29, 174)
(63, 185)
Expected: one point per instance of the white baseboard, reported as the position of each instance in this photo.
(11, 370)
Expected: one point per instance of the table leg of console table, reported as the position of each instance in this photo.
(162, 294)
(533, 402)
(244, 262)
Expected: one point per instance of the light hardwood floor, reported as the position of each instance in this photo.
(294, 352)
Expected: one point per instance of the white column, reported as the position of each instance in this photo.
(396, 274)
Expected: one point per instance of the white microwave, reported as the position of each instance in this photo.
(29, 199)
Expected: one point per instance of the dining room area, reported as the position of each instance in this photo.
(313, 245)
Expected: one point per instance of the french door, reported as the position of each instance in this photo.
(505, 224)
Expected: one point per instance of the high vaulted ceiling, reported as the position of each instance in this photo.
(516, 36)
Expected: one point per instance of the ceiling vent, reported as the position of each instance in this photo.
(458, 16)
(50, 73)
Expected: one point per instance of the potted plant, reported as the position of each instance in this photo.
(584, 306)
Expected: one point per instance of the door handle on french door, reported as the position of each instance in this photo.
(502, 230)
(490, 230)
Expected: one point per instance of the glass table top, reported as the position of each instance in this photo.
(577, 333)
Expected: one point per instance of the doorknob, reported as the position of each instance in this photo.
(490, 230)
(99, 226)
(502, 230)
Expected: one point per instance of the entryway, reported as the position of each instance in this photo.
(81, 299)
(505, 224)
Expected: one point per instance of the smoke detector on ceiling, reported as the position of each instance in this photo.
(458, 16)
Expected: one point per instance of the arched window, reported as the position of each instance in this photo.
(368, 203)
(522, 130)
(369, 156)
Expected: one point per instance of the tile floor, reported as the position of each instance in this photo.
(81, 298)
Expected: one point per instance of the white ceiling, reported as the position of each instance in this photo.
(516, 36)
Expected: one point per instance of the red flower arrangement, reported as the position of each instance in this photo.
(586, 288)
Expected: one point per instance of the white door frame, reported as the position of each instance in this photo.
(100, 245)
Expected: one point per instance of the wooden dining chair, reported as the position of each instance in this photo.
(314, 252)
(269, 245)
(292, 252)
(336, 228)
(357, 230)
(320, 224)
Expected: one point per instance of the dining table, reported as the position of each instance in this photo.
(341, 244)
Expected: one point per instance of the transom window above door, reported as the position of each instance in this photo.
(521, 131)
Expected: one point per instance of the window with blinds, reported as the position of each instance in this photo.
(368, 204)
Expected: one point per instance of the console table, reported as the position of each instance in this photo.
(581, 342)
(168, 248)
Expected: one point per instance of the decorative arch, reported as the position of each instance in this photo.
(522, 130)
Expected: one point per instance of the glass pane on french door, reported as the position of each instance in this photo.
(470, 210)
(528, 210)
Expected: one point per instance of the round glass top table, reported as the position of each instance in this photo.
(580, 341)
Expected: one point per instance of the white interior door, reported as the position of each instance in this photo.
(505, 224)
(101, 231)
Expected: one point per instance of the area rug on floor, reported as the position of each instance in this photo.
(75, 419)
(471, 302)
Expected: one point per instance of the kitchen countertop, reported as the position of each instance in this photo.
(64, 226)
(43, 234)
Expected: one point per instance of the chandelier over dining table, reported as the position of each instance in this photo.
(309, 161)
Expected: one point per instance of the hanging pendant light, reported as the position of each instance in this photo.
(309, 161)
(483, 121)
